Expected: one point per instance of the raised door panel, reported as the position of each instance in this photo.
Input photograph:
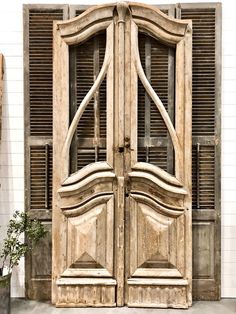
(90, 239)
(156, 240)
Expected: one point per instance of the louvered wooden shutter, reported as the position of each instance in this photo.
(154, 145)
(206, 146)
(38, 21)
(89, 144)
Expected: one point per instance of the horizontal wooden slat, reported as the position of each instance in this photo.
(203, 118)
(157, 156)
(87, 156)
(206, 177)
(40, 69)
(38, 179)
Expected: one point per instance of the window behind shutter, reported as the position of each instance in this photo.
(38, 95)
(154, 144)
(206, 146)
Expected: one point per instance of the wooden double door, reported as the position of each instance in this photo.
(121, 223)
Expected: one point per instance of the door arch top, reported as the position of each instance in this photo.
(148, 18)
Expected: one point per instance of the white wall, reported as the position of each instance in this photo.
(12, 147)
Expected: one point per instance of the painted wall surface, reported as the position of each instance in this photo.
(12, 146)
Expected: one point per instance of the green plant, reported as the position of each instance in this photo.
(13, 246)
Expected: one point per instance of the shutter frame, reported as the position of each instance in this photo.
(39, 289)
(203, 288)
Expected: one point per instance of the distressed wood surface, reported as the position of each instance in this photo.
(208, 287)
(100, 203)
(38, 138)
(206, 136)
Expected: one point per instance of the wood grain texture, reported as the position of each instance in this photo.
(206, 135)
(92, 205)
(38, 39)
(83, 203)
(145, 224)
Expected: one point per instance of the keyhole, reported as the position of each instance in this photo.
(121, 149)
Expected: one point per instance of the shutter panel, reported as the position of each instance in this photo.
(154, 144)
(206, 147)
(86, 60)
(38, 25)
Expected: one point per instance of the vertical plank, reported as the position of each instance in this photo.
(218, 80)
(1, 92)
(73, 108)
(96, 99)
(127, 157)
(120, 242)
(187, 161)
(171, 98)
(120, 144)
(110, 101)
(147, 98)
(179, 109)
(60, 173)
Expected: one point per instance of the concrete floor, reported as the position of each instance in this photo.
(21, 306)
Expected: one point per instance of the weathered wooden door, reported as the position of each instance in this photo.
(121, 226)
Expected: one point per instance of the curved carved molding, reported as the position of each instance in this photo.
(151, 19)
(157, 200)
(74, 204)
(142, 175)
(87, 171)
(85, 207)
(154, 204)
(87, 33)
(99, 177)
(158, 172)
(95, 15)
(164, 28)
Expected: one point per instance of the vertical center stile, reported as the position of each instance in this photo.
(147, 98)
(119, 144)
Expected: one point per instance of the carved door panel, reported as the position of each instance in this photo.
(121, 226)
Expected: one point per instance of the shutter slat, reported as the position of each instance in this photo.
(38, 161)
